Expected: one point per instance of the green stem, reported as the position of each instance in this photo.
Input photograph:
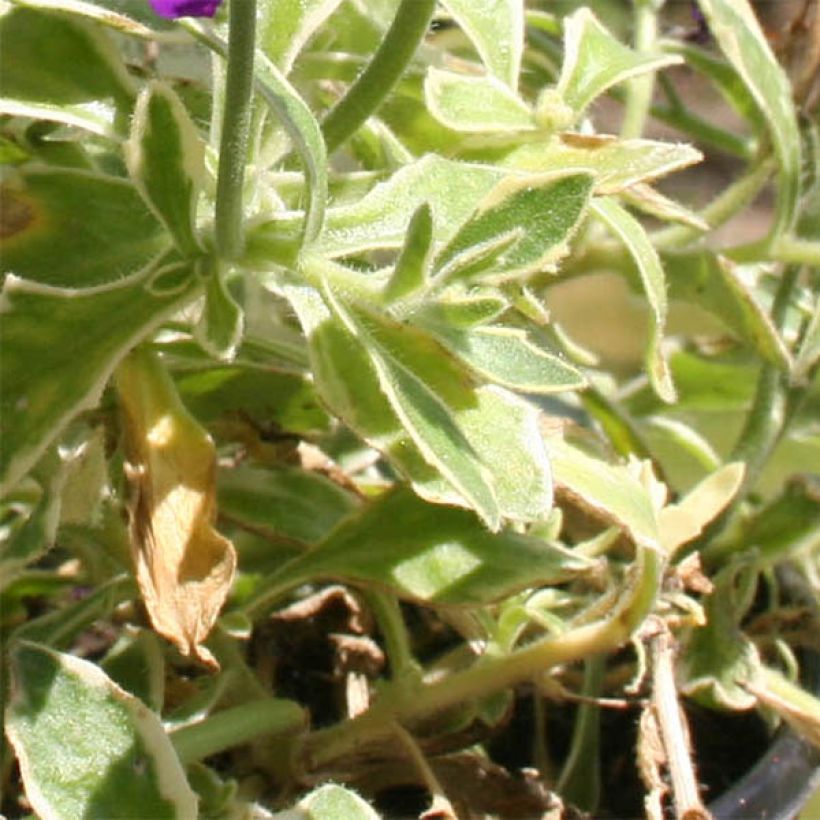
(764, 424)
(493, 673)
(580, 781)
(236, 124)
(382, 73)
(792, 250)
(387, 612)
(639, 90)
(703, 131)
(233, 727)
(733, 200)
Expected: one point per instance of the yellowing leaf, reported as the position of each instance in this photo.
(681, 522)
(184, 566)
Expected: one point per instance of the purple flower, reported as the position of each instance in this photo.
(185, 8)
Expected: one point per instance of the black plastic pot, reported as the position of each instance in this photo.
(781, 782)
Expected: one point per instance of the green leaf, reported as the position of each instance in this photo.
(504, 431)
(430, 553)
(475, 104)
(129, 17)
(60, 61)
(87, 748)
(60, 347)
(412, 373)
(595, 61)
(718, 658)
(136, 664)
(536, 214)
(347, 381)
(219, 394)
(74, 228)
(37, 532)
(413, 264)
(287, 26)
(496, 28)
(166, 162)
(334, 802)
(283, 501)
(736, 30)
(507, 356)
(380, 219)
(59, 627)
(615, 164)
(220, 327)
(500, 428)
(97, 118)
(703, 384)
(612, 493)
(634, 237)
(713, 283)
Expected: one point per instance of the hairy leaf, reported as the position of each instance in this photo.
(166, 162)
(436, 554)
(74, 228)
(87, 748)
(496, 28)
(632, 234)
(60, 347)
(475, 104)
(594, 61)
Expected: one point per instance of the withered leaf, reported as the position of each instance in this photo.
(184, 567)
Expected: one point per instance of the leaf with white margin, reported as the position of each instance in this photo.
(504, 430)
(287, 25)
(380, 218)
(528, 220)
(411, 368)
(349, 385)
(45, 240)
(615, 164)
(165, 156)
(86, 747)
(506, 356)
(650, 269)
(334, 802)
(734, 26)
(496, 29)
(607, 491)
(430, 553)
(712, 282)
(136, 23)
(222, 322)
(595, 61)
(413, 265)
(475, 104)
(59, 60)
(37, 533)
(61, 346)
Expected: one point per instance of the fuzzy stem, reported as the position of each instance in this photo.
(382, 73)
(236, 124)
(233, 727)
(493, 673)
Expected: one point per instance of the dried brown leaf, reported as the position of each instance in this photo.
(184, 567)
